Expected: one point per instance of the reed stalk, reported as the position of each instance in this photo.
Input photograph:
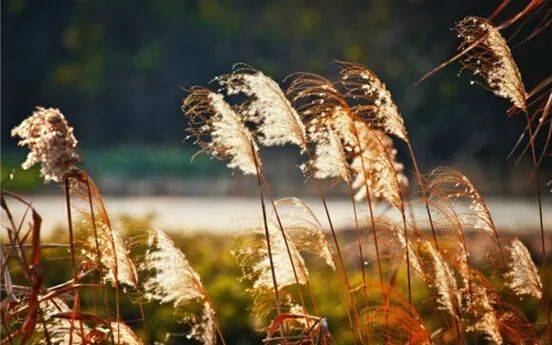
(76, 299)
(541, 224)
(267, 234)
(98, 255)
(284, 236)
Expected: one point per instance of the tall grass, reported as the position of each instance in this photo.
(345, 131)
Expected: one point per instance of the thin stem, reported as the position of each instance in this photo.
(267, 234)
(98, 255)
(341, 265)
(361, 256)
(407, 253)
(405, 234)
(220, 333)
(340, 259)
(421, 184)
(541, 223)
(374, 235)
(76, 300)
(284, 236)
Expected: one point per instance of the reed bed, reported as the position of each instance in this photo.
(348, 130)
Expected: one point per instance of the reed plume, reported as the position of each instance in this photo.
(252, 257)
(375, 105)
(486, 314)
(51, 143)
(58, 330)
(381, 171)
(409, 252)
(367, 172)
(485, 52)
(523, 277)
(329, 159)
(304, 229)
(118, 268)
(266, 106)
(258, 268)
(480, 316)
(320, 105)
(174, 281)
(451, 185)
(123, 333)
(218, 130)
(450, 220)
(444, 282)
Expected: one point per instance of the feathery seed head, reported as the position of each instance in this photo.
(329, 157)
(480, 315)
(523, 277)
(266, 106)
(486, 53)
(377, 167)
(451, 185)
(114, 256)
(304, 230)
(254, 260)
(51, 142)
(59, 329)
(449, 297)
(374, 102)
(174, 281)
(320, 106)
(219, 130)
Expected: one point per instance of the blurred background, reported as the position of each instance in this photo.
(118, 71)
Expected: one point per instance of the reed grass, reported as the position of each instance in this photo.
(345, 131)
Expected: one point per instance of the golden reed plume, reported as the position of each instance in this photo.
(523, 277)
(485, 52)
(103, 245)
(174, 281)
(304, 229)
(451, 185)
(322, 106)
(57, 330)
(374, 102)
(254, 260)
(218, 130)
(266, 106)
(444, 281)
